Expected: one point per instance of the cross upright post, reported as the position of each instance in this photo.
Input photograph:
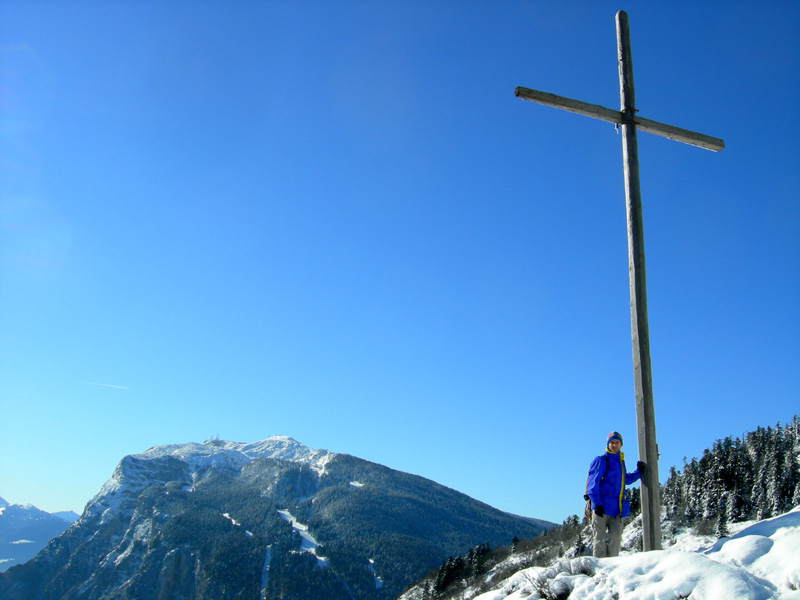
(640, 333)
(628, 121)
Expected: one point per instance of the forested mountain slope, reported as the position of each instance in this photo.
(273, 519)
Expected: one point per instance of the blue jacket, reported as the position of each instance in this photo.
(606, 483)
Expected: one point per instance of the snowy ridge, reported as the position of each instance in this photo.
(24, 531)
(131, 475)
(220, 453)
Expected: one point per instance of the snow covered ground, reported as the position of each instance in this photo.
(760, 561)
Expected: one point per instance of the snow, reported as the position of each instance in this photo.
(307, 541)
(265, 574)
(768, 549)
(122, 556)
(25, 512)
(123, 486)
(236, 523)
(232, 520)
(221, 453)
(309, 544)
(759, 562)
(668, 574)
(378, 580)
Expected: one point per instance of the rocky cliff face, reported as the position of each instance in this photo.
(273, 519)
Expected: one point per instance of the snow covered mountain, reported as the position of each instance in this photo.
(273, 519)
(25, 530)
(135, 473)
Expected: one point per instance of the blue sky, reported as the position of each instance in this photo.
(335, 221)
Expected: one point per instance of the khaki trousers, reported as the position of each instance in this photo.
(606, 536)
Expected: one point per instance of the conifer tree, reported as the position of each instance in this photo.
(735, 503)
(789, 473)
(760, 495)
(722, 517)
(691, 488)
(760, 474)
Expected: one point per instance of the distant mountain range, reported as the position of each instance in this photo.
(271, 520)
(25, 530)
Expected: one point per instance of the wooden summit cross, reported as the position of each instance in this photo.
(626, 118)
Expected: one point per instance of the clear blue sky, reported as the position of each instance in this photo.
(335, 221)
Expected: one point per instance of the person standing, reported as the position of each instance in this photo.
(605, 488)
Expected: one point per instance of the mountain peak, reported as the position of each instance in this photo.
(24, 531)
(226, 519)
(216, 452)
(190, 461)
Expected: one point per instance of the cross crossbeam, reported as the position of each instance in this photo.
(618, 118)
(628, 121)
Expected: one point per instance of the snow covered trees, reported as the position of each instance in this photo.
(758, 477)
(462, 568)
